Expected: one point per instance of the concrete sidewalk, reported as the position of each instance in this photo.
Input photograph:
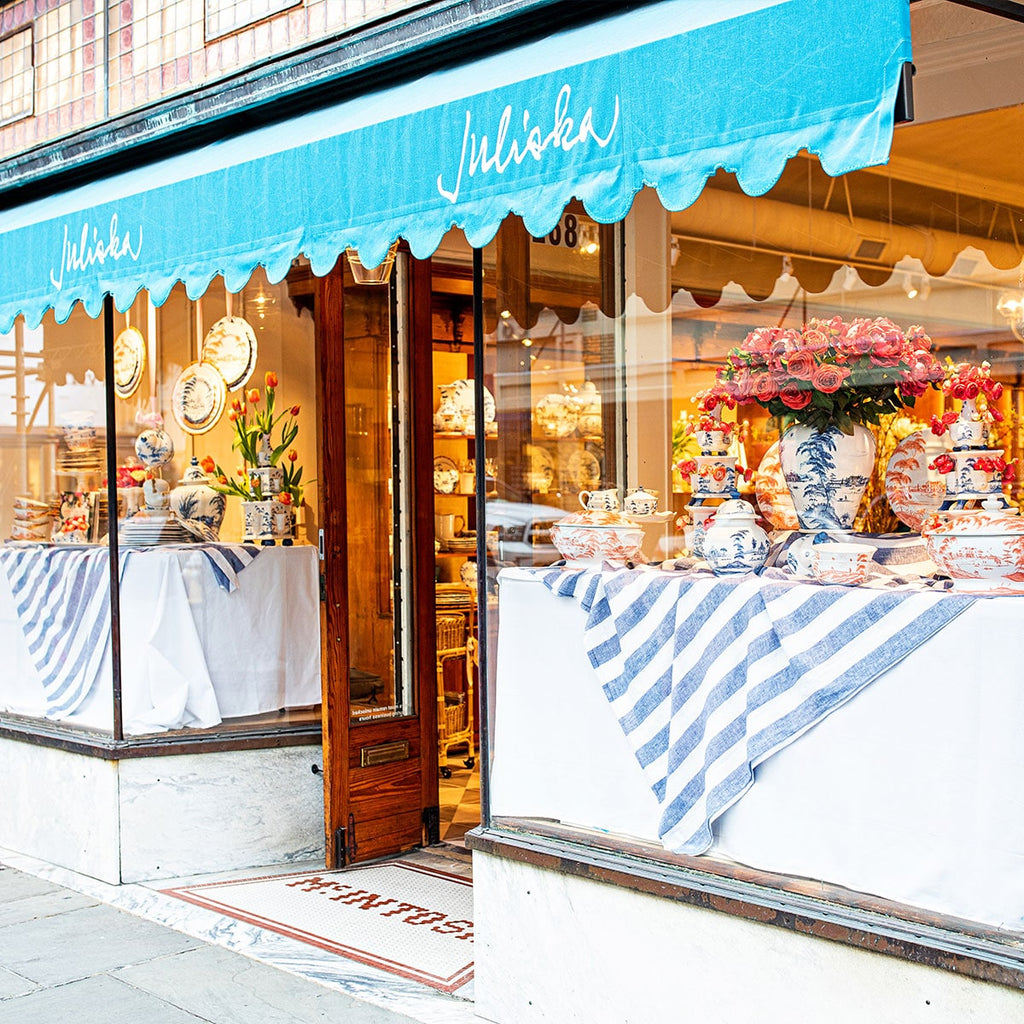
(66, 956)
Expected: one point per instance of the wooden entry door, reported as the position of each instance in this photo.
(380, 728)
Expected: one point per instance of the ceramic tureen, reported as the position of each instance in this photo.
(591, 536)
(980, 550)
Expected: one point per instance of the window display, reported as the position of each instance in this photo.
(211, 472)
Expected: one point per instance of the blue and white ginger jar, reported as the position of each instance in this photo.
(734, 543)
(197, 504)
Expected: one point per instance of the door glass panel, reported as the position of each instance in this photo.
(377, 448)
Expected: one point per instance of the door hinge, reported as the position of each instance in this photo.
(345, 845)
(432, 824)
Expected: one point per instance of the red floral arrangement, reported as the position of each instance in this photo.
(945, 463)
(967, 382)
(830, 372)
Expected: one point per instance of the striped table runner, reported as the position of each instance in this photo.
(709, 676)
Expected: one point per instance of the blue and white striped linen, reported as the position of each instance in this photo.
(709, 676)
(62, 596)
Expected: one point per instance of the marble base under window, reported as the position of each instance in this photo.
(161, 817)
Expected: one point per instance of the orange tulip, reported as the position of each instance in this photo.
(293, 455)
(236, 405)
(271, 379)
(253, 396)
(285, 498)
(208, 464)
(233, 415)
(240, 471)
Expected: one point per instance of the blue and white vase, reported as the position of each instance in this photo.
(154, 447)
(734, 543)
(826, 473)
(199, 507)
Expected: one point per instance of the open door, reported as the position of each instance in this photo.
(380, 759)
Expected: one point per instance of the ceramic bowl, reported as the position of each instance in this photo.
(983, 546)
(841, 563)
(593, 536)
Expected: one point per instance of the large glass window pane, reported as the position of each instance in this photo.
(377, 524)
(54, 575)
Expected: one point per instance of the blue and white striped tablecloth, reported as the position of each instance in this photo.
(709, 676)
(62, 597)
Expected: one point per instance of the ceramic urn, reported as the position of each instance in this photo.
(733, 542)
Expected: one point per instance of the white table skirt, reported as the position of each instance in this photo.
(911, 791)
(192, 654)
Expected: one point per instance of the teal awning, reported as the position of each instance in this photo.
(663, 96)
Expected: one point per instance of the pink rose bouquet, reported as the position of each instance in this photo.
(830, 372)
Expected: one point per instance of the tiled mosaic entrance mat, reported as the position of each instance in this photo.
(411, 920)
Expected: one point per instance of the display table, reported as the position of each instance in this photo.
(910, 791)
(192, 652)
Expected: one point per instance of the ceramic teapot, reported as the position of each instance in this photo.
(733, 542)
(195, 502)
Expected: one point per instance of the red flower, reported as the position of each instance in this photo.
(294, 410)
(687, 466)
(236, 405)
(285, 498)
(794, 398)
(208, 464)
(801, 365)
(828, 379)
(253, 396)
(271, 379)
(293, 455)
(943, 464)
(765, 388)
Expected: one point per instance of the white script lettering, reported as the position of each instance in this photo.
(479, 154)
(86, 251)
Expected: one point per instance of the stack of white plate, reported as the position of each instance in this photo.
(147, 528)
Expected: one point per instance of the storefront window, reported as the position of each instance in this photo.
(52, 465)
(921, 243)
(217, 529)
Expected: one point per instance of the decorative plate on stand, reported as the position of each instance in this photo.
(230, 345)
(773, 497)
(198, 397)
(446, 475)
(129, 361)
(912, 494)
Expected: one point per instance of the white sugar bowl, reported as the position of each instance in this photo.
(733, 542)
(640, 502)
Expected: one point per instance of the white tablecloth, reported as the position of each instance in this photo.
(911, 791)
(192, 654)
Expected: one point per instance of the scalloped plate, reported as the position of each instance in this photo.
(198, 397)
(773, 497)
(129, 361)
(230, 345)
(912, 494)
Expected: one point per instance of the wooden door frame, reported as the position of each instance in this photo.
(331, 438)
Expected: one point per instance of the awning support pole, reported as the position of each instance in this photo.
(480, 454)
(115, 576)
